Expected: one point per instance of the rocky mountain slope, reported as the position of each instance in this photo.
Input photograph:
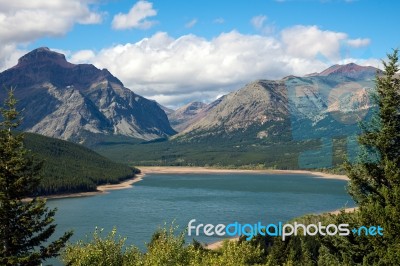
(292, 123)
(328, 104)
(190, 113)
(75, 102)
(256, 103)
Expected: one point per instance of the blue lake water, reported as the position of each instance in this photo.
(209, 198)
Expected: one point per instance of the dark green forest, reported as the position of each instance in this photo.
(220, 151)
(69, 167)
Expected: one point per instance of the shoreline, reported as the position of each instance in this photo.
(102, 189)
(207, 170)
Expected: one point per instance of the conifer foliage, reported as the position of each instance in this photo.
(25, 227)
(375, 178)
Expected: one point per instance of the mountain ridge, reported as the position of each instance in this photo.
(336, 96)
(74, 101)
(296, 122)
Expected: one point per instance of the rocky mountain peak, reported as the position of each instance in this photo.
(192, 108)
(43, 65)
(43, 55)
(350, 70)
(74, 101)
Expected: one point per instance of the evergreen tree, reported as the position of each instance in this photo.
(375, 178)
(24, 226)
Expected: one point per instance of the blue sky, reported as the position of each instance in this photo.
(178, 51)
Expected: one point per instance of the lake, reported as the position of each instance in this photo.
(209, 198)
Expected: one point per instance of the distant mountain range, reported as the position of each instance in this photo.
(294, 122)
(190, 113)
(76, 102)
(80, 103)
(339, 94)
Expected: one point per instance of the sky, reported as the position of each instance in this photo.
(180, 51)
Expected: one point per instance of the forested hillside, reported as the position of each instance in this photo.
(69, 167)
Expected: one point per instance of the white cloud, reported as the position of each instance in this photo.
(359, 42)
(136, 17)
(363, 62)
(92, 18)
(22, 22)
(9, 55)
(163, 65)
(25, 21)
(258, 21)
(82, 56)
(310, 41)
(191, 23)
(177, 70)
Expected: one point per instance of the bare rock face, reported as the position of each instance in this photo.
(186, 115)
(330, 103)
(256, 103)
(68, 101)
(350, 70)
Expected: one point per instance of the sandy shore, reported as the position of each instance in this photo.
(100, 189)
(122, 185)
(205, 170)
(185, 170)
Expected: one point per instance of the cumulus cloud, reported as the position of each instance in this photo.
(136, 17)
(9, 55)
(177, 70)
(81, 56)
(163, 65)
(359, 42)
(310, 41)
(92, 18)
(191, 23)
(25, 21)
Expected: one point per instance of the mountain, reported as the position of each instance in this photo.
(350, 71)
(339, 92)
(189, 114)
(167, 110)
(257, 103)
(291, 123)
(70, 167)
(78, 101)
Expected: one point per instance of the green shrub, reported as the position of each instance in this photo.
(101, 251)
